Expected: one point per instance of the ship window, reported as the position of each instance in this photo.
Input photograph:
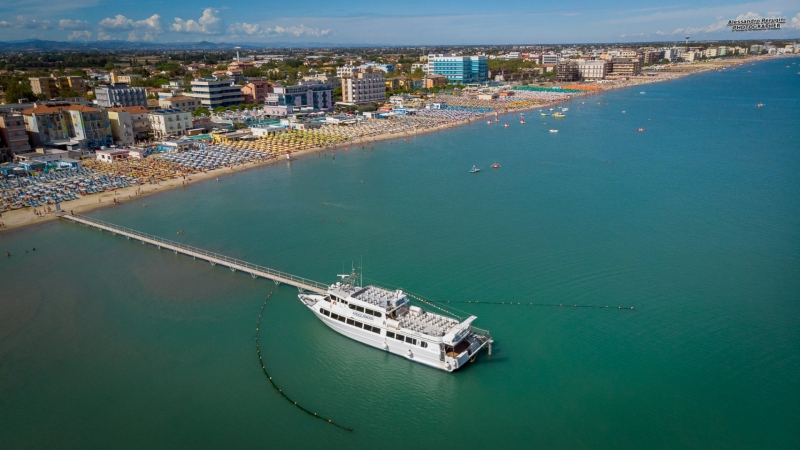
(351, 322)
(368, 327)
(360, 309)
(399, 337)
(326, 312)
(359, 324)
(376, 330)
(341, 318)
(334, 316)
(411, 341)
(389, 334)
(354, 307)
(423, 344)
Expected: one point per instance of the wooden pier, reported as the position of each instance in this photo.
(256, 271)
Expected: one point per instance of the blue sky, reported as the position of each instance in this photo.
(412, 22)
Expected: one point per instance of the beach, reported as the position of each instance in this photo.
(135, 196)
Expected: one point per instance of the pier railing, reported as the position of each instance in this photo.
(214, 258)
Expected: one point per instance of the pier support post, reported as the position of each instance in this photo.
(213, 263)
(232, 269)
(490, 347)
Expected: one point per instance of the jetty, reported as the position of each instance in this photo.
(255, 270)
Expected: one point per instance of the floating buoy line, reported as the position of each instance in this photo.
(272, 382)
(436, 303)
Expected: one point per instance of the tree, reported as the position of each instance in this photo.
(18, 90)
(220, 109)
(201, 112)
(110, 66)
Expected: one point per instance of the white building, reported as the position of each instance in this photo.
(346, 71)
(364, 88)
(593, 70)
(550, 59)
(213, 93)
(170, 122)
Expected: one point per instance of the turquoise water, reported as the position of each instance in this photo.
(106, 343)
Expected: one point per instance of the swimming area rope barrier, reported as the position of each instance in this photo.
(272, 382)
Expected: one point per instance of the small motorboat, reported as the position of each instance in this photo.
(760, 105)
(489, 121)
(642, 92)
(623, 112)
(495, 165)
(474, 170)
(564, 109)
(506, 125)
(640, 130)
(522, 121)
(559, 115)
(545, 114)
(554, 131)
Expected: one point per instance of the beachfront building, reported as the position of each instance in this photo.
(626, 67)
(284, 100)
(183, 102)
(364, 88)
(111, 95)
(567, 70)
(89, 126)
(213, 93)
(590, 70)
(459, 69)
(255, 91)
(13, 133)
(139, 118)
(169, 122)
(46, 125)
(121, 126)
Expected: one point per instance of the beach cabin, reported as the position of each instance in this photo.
(111, 156)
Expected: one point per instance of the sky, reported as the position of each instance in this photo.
(407, 22)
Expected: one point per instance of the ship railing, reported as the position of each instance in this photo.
(191, 250)
(481, 333)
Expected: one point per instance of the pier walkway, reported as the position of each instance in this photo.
(303, 284)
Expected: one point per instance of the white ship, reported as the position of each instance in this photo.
(384, 319)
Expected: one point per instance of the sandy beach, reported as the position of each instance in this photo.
(135, 196)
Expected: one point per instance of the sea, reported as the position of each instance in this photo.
(642, 289)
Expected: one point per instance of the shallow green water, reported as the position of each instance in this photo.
(696, 223)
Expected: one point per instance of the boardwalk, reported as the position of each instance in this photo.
(303, 284)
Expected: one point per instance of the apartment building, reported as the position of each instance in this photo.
(183, 102)
(52, 87)
(123, 78)
(213, 93)
(13, 133)
(567, 70)
(90, 126)
(119, 94)
(46, 125)
(140, 118)
(169, 122)
(255, 91)
(364, 88)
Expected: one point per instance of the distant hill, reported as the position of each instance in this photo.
(38, 45)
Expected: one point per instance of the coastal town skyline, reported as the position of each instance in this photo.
(376, 24)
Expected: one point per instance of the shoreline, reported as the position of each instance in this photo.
(21, 218)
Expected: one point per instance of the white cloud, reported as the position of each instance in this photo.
(209, 23)
(795, 22)
(66, 24)
(84, 35)
(138, 30)
(249, 29)
(26, 22)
